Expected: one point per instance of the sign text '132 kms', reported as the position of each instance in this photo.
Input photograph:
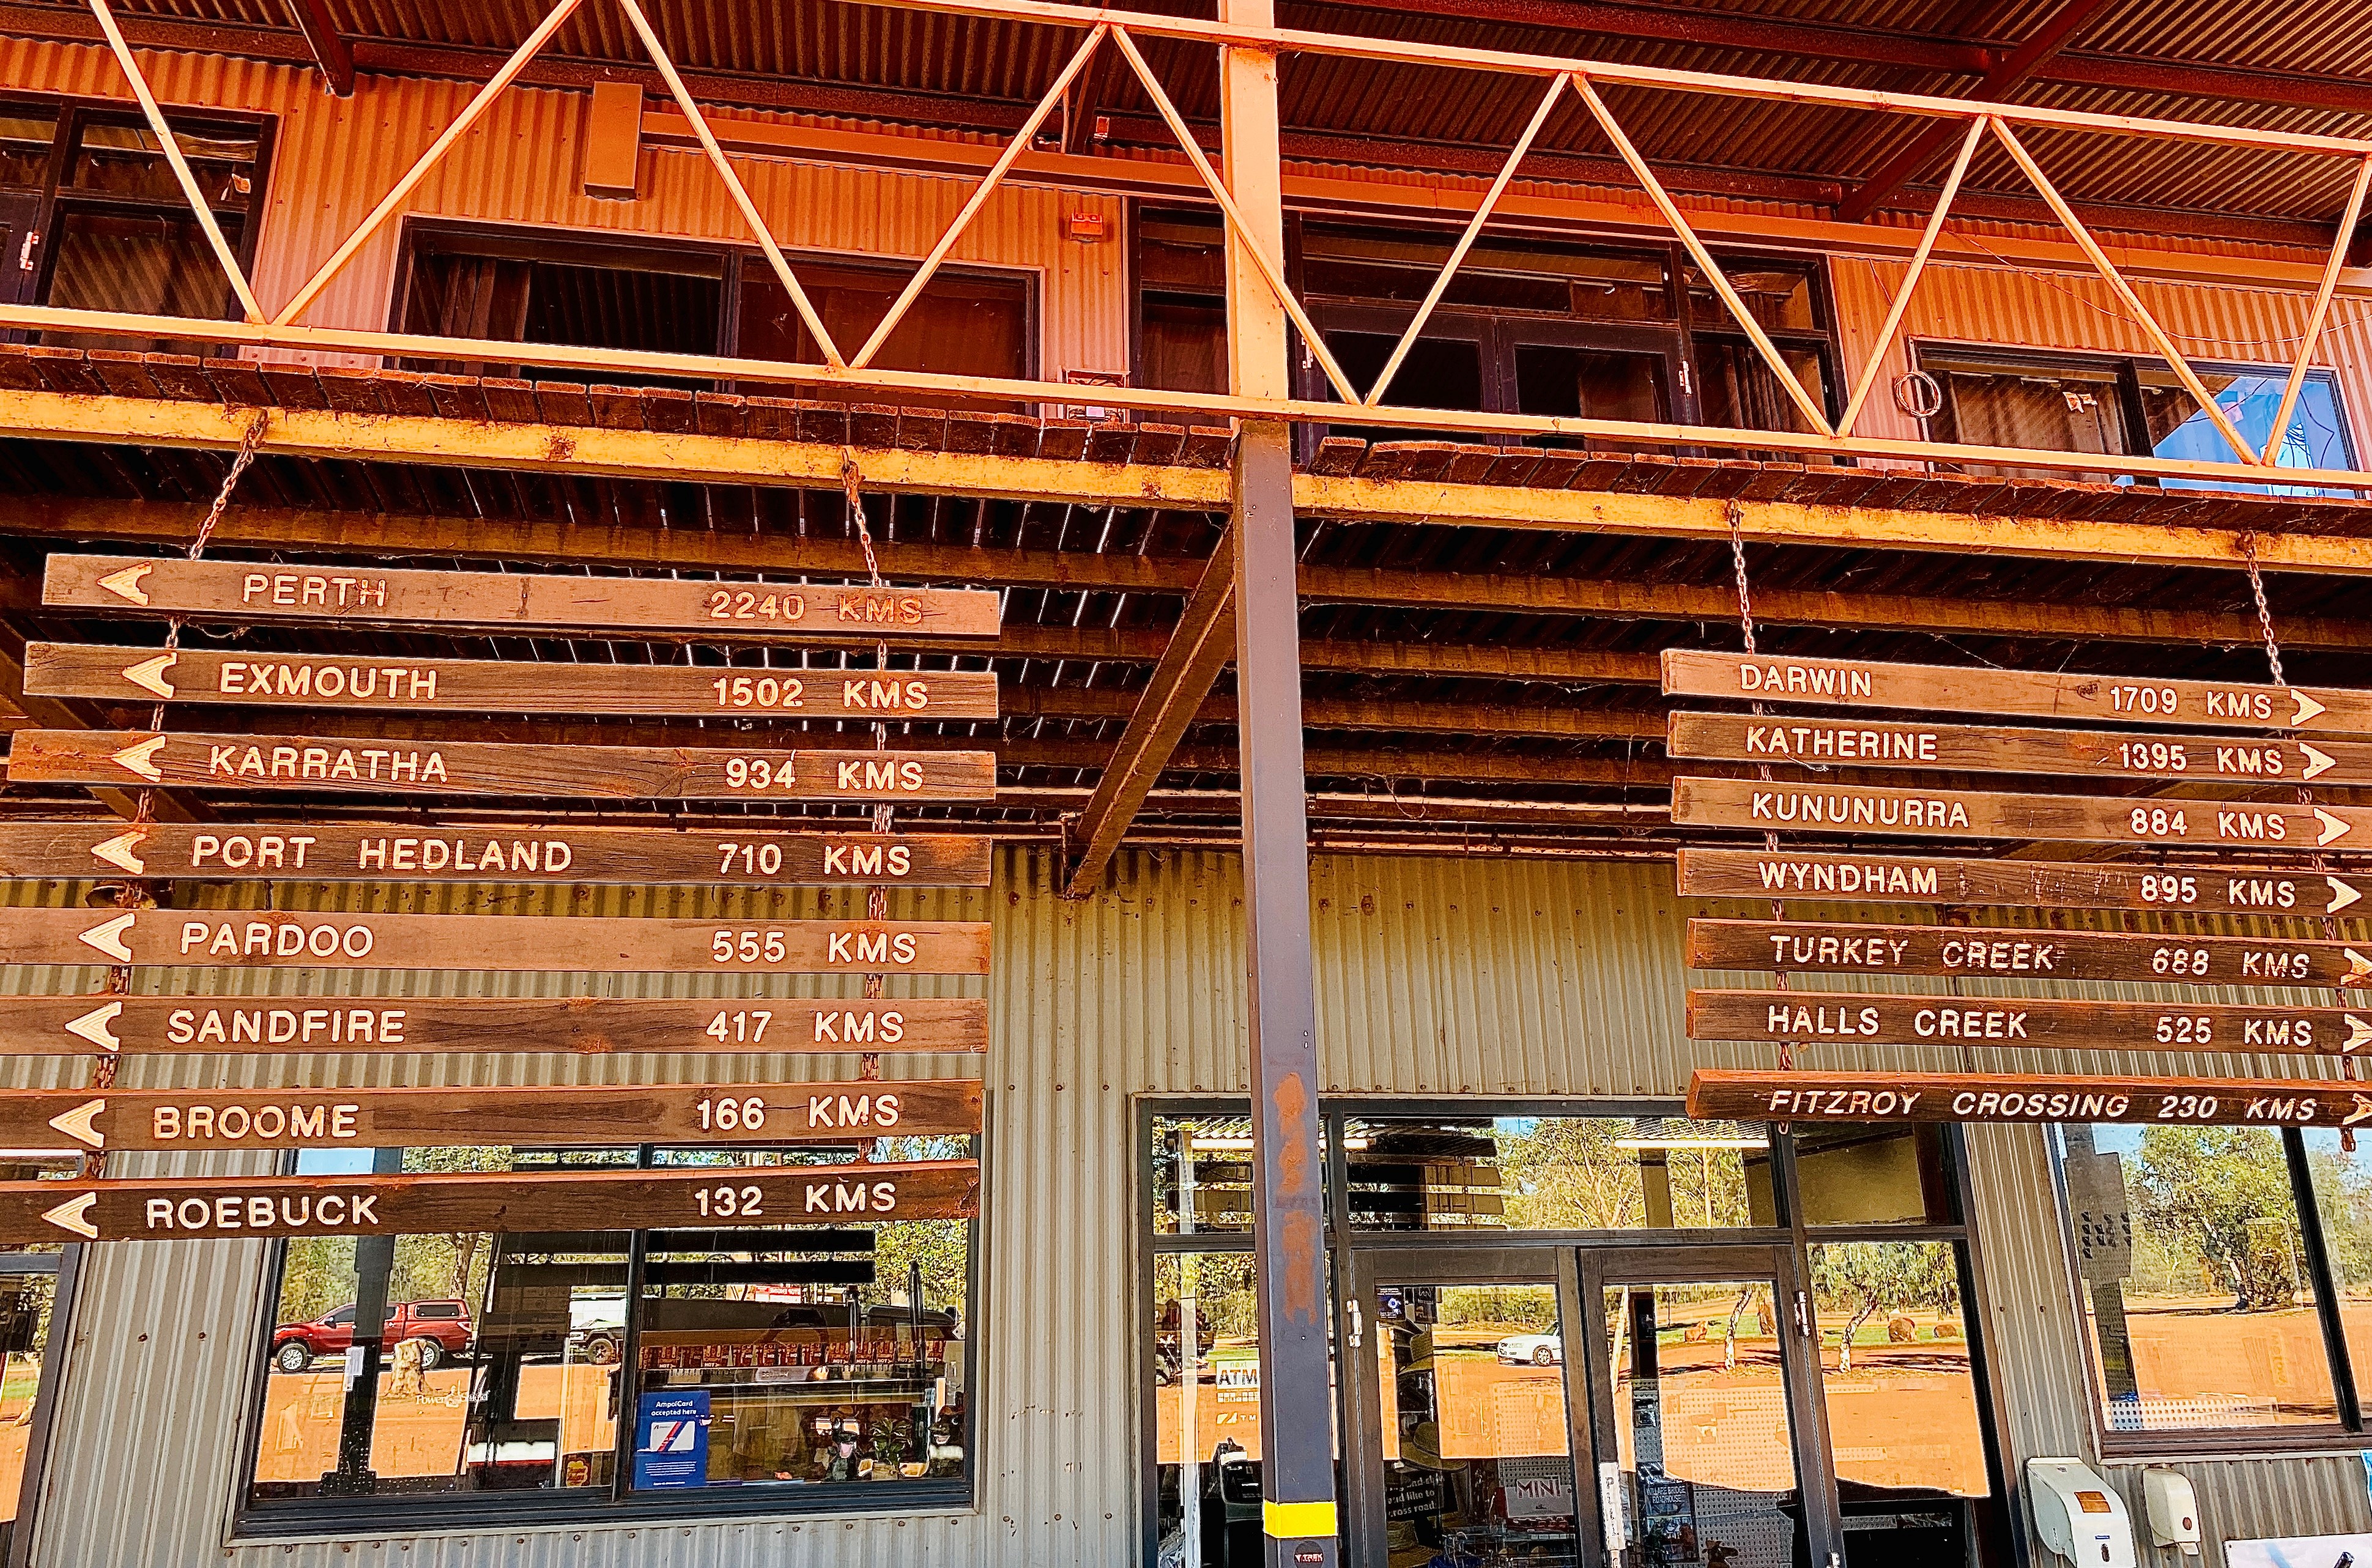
(494, 1116)
(32, 1211)
(1987, 1096)
(2026, 693)
(359, 596)
(271, 763)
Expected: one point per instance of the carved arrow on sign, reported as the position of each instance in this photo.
(2318, 761)
(125, 584)
(2332, 828)
(108, 937)
(2358, 1034)
(137, 758)
(75, 1215)
(149, 674)
(98, 1026)
(2342, 895)
(118, 851)
(76, 1123)
(2307, 708)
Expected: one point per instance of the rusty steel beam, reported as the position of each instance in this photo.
(1199, 648)
(2053, 35)
(331, 51)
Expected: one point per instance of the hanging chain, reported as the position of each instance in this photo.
(877, 899)
(1736, 512)
(2321, 863)
(137, 895)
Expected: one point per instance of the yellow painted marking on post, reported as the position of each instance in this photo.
(1297, 1521)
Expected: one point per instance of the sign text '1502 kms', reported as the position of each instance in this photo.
(1824, 948)
(1974, 748)
(2026, 693)
(494, 1116)
(67, 1026)
(329, 939)
(362, 596)
(245, 679)
(1977, 814)
(269, 763)
(1864, 1019)
(1991, 1096)
(33, 1212)
(559, 851)
(1893, 879)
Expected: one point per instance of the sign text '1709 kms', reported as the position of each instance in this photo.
(33, 1212)
(268, 762)
(2031, 693)
(1974, 748)
(599, 1025)
(561, 852)
(1864, 1019)
(1992, 1097)
(284, 938)
(494, 1116)
(360, 596)
(1979, 814)
(1895, 879)
(1822, 948)
(244, 679)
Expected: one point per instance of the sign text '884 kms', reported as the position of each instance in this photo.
(34, 1212)
(272, 762)
(363, 596)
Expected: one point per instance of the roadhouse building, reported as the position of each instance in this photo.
(1338, 1199)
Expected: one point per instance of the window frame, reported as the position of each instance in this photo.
(1996, 1517)
(728, 263)
(2343, 1435)
(592, 1507)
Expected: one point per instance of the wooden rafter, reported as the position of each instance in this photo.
(331, 51)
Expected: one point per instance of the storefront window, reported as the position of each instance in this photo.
(2198, 1294)
(1556, 1173)
(1873, 1175)
(1897, 1377)
(1206, 1409)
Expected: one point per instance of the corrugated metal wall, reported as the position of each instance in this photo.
(1435, 977)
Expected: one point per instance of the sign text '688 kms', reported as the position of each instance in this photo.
(272, 762)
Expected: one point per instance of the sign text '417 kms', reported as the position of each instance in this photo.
(271, 763)
(34, 1212)
(361, 596)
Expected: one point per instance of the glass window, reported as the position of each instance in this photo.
(1203, 1175)
(25, 1300)
(1556, 1173)
(128, 160)
(2195, 1286)
(1206, 1409)
(1780, 298)
(965, 323)
(1898, 1379)
(2340, 1179)
(153, 264)
(2180, 428)
(26, 137)
(1873, 1175)
(1739, 393)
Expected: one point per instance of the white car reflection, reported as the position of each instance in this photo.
(1538, 1350)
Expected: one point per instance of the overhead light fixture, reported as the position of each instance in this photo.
(1675, 1132)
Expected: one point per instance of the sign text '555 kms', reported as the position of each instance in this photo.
(269, 763)
(33, 1212)
(358, 596)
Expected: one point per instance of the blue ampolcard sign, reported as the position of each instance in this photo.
(671, 1441)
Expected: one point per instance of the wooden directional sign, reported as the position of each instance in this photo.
(1931, 688)
(1973, 749)
(1820, 947)
(1893, 879)
(75, 1025)
(2018, 1021)
(1975, 814)
(563, 852)
(479, 686)
(331, 940)
(1989, 1096)
(188, 1209)
(365, 595)
(76, 1121)
(123, 758)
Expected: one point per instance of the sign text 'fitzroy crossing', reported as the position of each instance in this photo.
(1971, 1097)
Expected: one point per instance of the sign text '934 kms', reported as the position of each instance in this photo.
(363, 596)
(271, 763)
(281, 938)
(502, 1117)
(32, 1211)
(245, 679)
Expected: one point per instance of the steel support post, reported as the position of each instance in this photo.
(1288, 1181)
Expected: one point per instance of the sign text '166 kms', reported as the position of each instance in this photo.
(271, 763)
(502, 1117)
(569, 852)
(283, 938)
(353, 595)
(1824, 948)
(33, 1212)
